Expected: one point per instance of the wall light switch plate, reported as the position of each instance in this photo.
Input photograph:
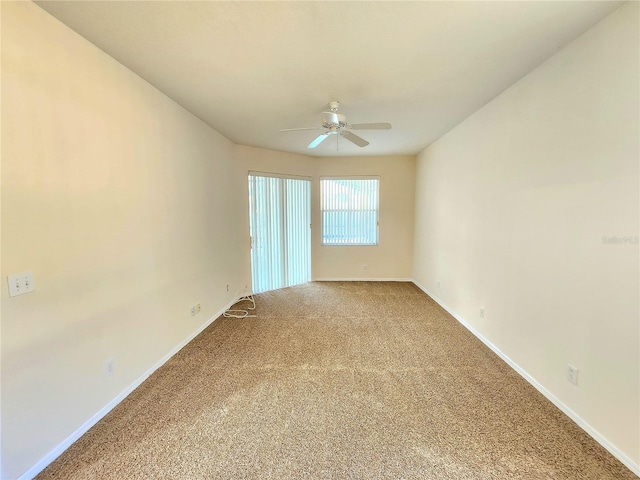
(20, 283)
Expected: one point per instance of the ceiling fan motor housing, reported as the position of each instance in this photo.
(335, 120)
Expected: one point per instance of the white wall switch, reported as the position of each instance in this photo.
(20, 283)
(572, 374)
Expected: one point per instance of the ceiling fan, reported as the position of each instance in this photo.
(336, 124)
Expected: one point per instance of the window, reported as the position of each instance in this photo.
(349, 208)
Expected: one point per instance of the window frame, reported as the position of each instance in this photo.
(377, 210)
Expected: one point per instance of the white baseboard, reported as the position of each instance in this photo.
(362, 280)
(59, 449)
(610, 447)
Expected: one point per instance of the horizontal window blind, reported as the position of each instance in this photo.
(349, 209)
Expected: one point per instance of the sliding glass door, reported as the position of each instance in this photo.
(280, 227)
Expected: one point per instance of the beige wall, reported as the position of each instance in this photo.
(123, 205)
(511, 209)
(391, 259)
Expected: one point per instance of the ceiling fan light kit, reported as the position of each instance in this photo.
(336, 124)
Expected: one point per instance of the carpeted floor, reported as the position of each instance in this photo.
(341, 380)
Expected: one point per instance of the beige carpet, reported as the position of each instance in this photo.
(337, 381)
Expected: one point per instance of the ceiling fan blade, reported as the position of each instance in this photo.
(303, 128)
(318, 141)
(352, 137)
(370, 126)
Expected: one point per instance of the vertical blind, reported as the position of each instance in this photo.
(349, 211)
(279, 222)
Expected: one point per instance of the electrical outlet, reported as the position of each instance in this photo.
(227, 287)
(193, 311)
(481, 312)
(365, 267)
(572, 374)
(198, 308)
(109, 367)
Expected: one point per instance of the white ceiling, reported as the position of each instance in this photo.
(249, 69)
